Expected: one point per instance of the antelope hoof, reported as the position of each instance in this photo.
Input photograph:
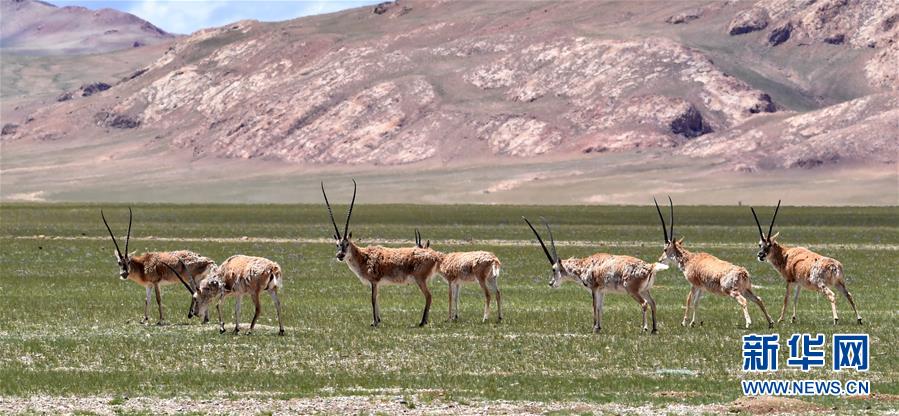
(654, 331)
(793, 320)
(836, 321)
(422, 323)
(205, 321)
(596, 329)
(645, 329)
(160, 323)
(144, 321)
(222, 330)
(236, 331)
(700, 323)
(374, 324)
(683, 323)
(693, 324)
(770, 324)
(281, 333)
(860, 321)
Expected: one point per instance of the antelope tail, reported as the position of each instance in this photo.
(659, 267)
(494, 269)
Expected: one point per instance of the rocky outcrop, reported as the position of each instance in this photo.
(115, 120)
(9, 129)
(748, 21)
(90, 89)
(863, 130)
(850, 23)
(689, 123)
(780, 34)
(684, 17)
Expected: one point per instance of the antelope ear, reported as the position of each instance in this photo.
(680, 240)
(335, 236)
(350, 235)
(774, 237)
(428, 244)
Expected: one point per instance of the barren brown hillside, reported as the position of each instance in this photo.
(719, 86)
(40, 28)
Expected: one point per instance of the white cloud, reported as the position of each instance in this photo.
(178, 16)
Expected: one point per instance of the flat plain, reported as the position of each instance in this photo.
(70, 327)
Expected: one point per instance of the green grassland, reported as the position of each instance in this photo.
(69, 326)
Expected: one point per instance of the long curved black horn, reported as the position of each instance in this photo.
(771, 227)
(552, 241)
(662, 219)
(671, 226)
(349, 213)
(128, 236)
(330, 213)
(417, 238)
(112, 235)
(545, 251)
(757, 224)
(187, 286)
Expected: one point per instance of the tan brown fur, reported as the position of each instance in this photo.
(602, 273)
(707, 273)
(803, 268)
(377, 266)
(153, 269)
(472, 266)
(238, 276)
(806, 269)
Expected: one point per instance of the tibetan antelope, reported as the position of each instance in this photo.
(376, 266)
(602, 273)
(149, 269)
(708, 273)
(468, 266)
(803, 268)
(237, 276)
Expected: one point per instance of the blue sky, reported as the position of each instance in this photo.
(186, 16)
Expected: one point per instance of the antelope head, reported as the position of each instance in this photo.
(672, 251)
(418, 241)
(559, 271)
(124, 260)
(343, 241)
(766, 241)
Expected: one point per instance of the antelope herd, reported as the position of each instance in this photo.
(377, 266)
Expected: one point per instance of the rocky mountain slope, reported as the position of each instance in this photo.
(37, 27)
(737, 86)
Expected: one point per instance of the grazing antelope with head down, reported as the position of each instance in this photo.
(237, 276)
(601, 273)
(468, 266)
(708, 273)
(804, 268)
(377, 266)
(153, 269)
